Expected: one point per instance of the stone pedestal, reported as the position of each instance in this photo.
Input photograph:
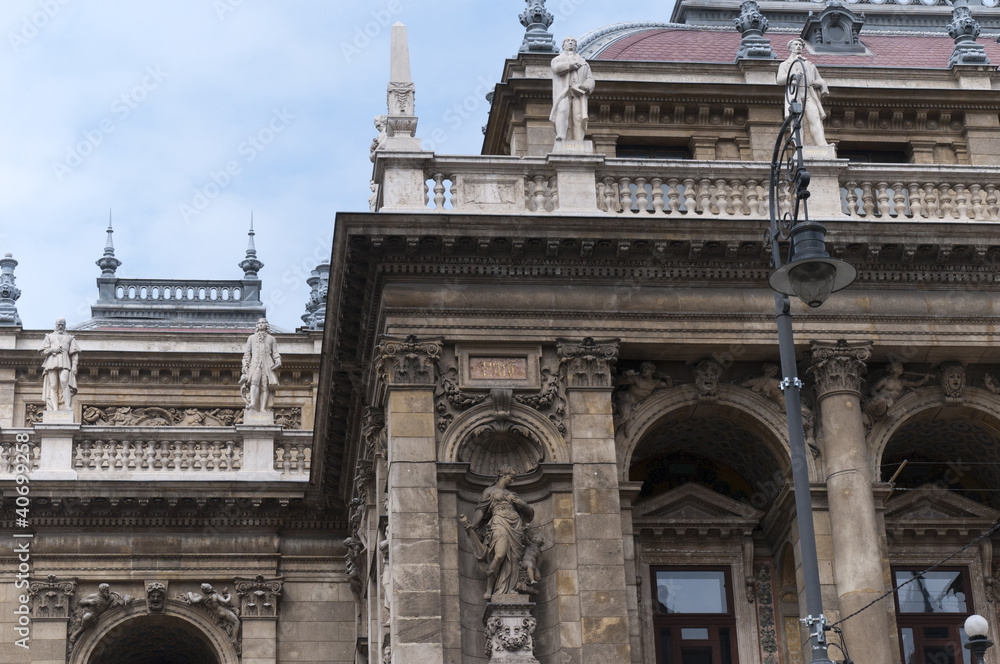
(258, 417)
(57, 417)
(577, 147)
(509, 630)
(56, 447)
(258, 451)
(819, 152)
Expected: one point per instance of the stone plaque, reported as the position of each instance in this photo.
(498, 368)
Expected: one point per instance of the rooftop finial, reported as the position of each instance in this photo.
(537, 20)
(964, 29)
(108, 263)
(250, 264)
(401, 123)
(752, 25)
(8, 292)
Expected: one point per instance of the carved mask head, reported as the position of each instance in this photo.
(156, 597)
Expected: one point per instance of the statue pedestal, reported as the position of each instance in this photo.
(819, 152)
(258, 418)
(579, 147)
(57, 417)
(509, 629)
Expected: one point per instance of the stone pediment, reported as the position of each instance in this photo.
(930, 504)
(695, 504)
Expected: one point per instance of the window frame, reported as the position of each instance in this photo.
(918, 621)
(677, 621)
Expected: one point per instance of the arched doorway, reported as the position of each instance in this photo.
(154, 639)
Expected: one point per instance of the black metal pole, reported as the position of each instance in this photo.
(800, 481)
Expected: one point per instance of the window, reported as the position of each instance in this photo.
(693, 617)
(931, 610)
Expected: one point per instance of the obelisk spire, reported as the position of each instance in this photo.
(401, 123)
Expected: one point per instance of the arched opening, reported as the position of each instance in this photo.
(718, 453)
(154, 639)
(950, 448)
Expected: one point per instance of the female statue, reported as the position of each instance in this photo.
(502, 515)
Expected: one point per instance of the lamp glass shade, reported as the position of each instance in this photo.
(812, 279)
(976, 626)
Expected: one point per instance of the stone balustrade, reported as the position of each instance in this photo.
(124, 453)
(177, 290)
(587, 184)
(908, 191)
(678, 187)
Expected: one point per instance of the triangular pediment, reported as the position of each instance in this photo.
(932, 503)
(695, 503)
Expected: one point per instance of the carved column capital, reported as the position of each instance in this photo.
(587, 363)
(839, 367)
(408, 361)
(258, 597)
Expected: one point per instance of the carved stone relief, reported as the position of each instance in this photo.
(153, 416)
(706, 380)
(89, 610)
(156, 597)
(408, 361)
(953, 383)
(33, 414)
(838, 367)
(886, 389)
(354, 559)
(765, 615)
(221, 609)
(587, 363)
(51, 598)
(634, 387)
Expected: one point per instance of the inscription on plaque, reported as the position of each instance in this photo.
(498, 368)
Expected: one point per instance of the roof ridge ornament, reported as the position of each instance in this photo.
(108, 263)
(9, 292)
(250, 265)
(836, 30)
(752, 24)
(964, 30)
(537, 20)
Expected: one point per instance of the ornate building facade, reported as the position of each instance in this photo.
(536, 412)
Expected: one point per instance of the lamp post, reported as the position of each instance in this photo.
(976, 628)
(810, 274)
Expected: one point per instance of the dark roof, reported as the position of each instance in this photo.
(678, 45)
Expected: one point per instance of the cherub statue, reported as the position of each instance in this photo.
(529, 559)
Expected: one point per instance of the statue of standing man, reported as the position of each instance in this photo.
(261, 361)
(59, 359)
(572, 83)
(809, 96)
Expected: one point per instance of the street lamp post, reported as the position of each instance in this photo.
(976, 628)
(812, 275)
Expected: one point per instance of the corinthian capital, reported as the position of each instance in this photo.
(839, 367)
(408, 361)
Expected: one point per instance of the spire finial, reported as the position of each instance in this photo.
(250, 264)
(537, 20)
(9, 292)
(108, 263)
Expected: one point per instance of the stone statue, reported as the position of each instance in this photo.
(386, 581)
(529, 561)
(501, 515)
(810, 98)
(634, 387)
(887, 389)
(60, 355)
(220, 606)
(768, 385)
(379, 141)
(572, 83)
(89, 610)
(261, 361)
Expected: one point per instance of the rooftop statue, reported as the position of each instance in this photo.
(810, 96)
(572, 84)
(60, 355)
(261, 361)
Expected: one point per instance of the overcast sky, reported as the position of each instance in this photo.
(137, 106)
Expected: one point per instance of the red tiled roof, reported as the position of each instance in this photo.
(664, 45)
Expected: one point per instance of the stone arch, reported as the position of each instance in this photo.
(520, 426)
(92, 648)
(761, 417)
(978, 405)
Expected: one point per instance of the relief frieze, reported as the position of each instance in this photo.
(154, 416)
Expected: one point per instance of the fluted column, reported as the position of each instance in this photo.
(860, 567)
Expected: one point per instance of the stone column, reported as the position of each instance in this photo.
(407, 367)
(861, 569)
(258, 599)
(599, 577)
(50, 603)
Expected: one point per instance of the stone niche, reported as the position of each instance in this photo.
(548, 489)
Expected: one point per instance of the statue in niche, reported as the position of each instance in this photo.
(219, 606)
(572, 84)
(884, 392)
(90, 608)
(60, 355)
(259, 380)
(634, 387)
(811, 96)
(497, 533)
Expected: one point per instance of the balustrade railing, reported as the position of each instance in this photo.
(490, 184)
(293, 456)
(12, 453)
(177, 290)
(921, 193)
(171, 453)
